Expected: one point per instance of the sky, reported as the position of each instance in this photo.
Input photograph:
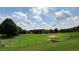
(29, 18)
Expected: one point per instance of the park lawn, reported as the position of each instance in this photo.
(38, 42)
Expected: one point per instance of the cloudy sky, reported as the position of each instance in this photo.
(42, 17)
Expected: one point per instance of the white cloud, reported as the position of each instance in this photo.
(39, 10)
(35, 25)
(73, 18)
(24, 25)
(21, 16)
(37, 18)
(45, 25)
(62, 14)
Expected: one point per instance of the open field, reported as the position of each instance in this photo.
(38, 42)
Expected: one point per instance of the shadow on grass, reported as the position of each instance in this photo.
(6, 37)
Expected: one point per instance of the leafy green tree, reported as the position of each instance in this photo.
(8, 27)
(56, 30)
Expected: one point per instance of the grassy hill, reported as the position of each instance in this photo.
(38, 42)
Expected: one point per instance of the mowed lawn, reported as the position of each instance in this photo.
(38, 42)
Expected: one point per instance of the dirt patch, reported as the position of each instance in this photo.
(53, 38)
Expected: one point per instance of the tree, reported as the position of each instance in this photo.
(0, 28)
(19, 30)
(56, 30)
(8, 28)
(51, 31)
(24, 31)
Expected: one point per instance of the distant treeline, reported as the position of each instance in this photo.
(44, 31)
(41, 31)
(74, 29)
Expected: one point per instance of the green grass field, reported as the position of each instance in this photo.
(38, 42)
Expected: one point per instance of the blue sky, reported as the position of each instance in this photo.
(42, 17)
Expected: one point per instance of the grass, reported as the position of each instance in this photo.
(38, 42)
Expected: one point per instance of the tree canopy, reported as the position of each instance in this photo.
(8, 27)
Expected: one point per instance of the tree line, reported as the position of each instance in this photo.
(50, 31)
(42, 31)
(74, 29)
